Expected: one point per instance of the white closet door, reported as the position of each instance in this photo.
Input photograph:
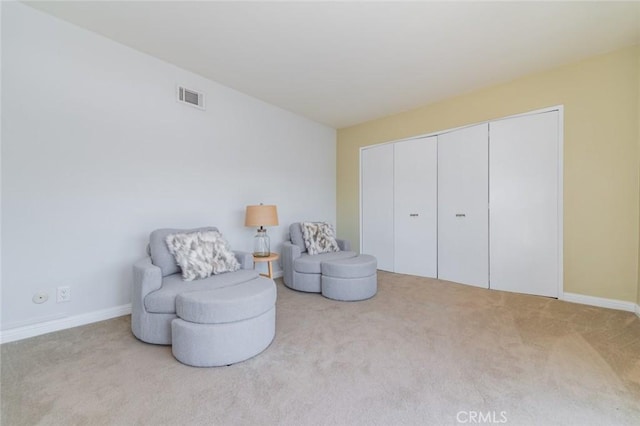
(523, 191)
(415, 217)
(377, 204)
(463, 198)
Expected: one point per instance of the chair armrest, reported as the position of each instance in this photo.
(245, 259)
(290, 252)
(345, 245)
(147, 277)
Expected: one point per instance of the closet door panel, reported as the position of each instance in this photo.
(463, 218)
(377, 204)
(415, 215)
(523, 188)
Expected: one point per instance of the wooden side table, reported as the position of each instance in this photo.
(273, 256)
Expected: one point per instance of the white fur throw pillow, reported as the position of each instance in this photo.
(201, 254)
(319, 237)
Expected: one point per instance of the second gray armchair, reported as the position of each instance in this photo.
(301, 270)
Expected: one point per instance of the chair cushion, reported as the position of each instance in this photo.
(160, 255)
(228, 304)
(163, 300)
(354, 267)
(312, 264)
(295, 233)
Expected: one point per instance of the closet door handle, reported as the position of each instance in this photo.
(461, 215)
(413, 215)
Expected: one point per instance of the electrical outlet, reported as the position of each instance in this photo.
(63, 294)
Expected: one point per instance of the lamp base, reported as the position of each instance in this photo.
(261, 244)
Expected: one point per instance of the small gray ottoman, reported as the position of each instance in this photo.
(226, 325)
(354, 278)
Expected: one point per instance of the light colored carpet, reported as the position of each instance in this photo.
(421, 352)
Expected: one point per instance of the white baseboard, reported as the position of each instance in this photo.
(601, 302)
(32, 330)
(638, 310)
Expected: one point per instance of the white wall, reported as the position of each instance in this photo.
(96, 153)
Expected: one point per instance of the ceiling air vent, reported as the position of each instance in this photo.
(191, 97)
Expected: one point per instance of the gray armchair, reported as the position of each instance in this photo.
(157, 281)
(302, 271)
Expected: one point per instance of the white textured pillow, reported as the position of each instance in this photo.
(319, 237)
(201, 254)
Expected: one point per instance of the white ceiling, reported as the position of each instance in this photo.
(342, 63)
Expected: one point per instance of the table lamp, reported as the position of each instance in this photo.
(261, 216)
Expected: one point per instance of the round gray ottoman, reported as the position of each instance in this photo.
(226, 325)
(350, 279)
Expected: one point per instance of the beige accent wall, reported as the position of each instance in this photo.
(601, 161)
(638, 118)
